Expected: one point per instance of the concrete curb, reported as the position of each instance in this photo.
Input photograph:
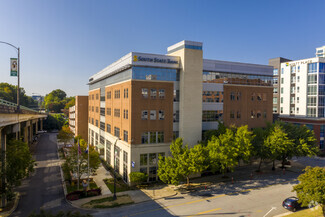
(283, 214)
(8, 213)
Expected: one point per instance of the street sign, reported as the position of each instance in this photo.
(13, 66)
(133, 164)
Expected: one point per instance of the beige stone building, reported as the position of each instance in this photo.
(78, 117)
(140, 103)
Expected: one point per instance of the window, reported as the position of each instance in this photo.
(282, 71)
(153, 93)
(264, 114)
(102, 111)
(252, 114)
(109, 111)
(161, 115)
(144, 138)
(176, 116)
(96, 123)
(125, 135)
(258, 114)
(117, 94)
(312, 67)
(160, 136)
(143, 159)
(175, 134)
(144, 92)
(253, 96)
(275, 109)
(238, 114)
(126, 114)
(92, 121)
(312, 90)
(297, 99)
(259, 97)
(275, 100)
(176, 95)
(297, 110)
(162, 93)
(144, 115)
(311, 112)
(117, 132)
(108, 128)
(298, 89)
(96, 109)
(312, 79)
(281, 100)
(152, 159)
(281, 110)
(210, 116)
(275, 71)
(298, 79)
(232, 96)
(125, 157)
(153, 115)
(117, 113)
(311, 101)
(102, 126)
(126, 93)
(275, 80)
(96, 95)
(275, 90)
(292, 100)
(109, 95)
(92, 108)
(232, 114)
(153, 137)
(238, 95)
(282, 80)
(92, 96)
(281, 89)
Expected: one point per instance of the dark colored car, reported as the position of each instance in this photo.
(291, 204)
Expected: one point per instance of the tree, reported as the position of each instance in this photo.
(183, 163)
(72, 158)
(311, 188)
(71, 101)
(243, 141)
(65, 135)
(260, 149)
(223, 153)
(9, 92)
(55, 100)
(19, 163)
(54, 121)
(209, 133)
(280, 145)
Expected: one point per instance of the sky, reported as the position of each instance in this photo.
(64, 42)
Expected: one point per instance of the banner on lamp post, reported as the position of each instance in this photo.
(13, 66)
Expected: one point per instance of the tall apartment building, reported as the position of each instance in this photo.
(302, 94)
(141, 102)
(78, 117)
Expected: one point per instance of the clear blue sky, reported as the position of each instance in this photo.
(64, 42)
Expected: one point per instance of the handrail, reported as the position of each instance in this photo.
(7, 103)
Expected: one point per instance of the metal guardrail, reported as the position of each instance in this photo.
(14, 105)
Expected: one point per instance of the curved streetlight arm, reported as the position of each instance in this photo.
(9, 44)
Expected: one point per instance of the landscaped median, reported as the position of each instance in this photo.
(109, 202)
(312, 212)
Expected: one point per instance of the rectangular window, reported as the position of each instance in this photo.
(311, 112)
(232, 96)
(161, 115)
(292, 100)
(125, 135)
(92, 108)
(152, 159)
(96, 123)
(160, 136)
(281, 89)
(275, 100)
(275, 80)
(102, 126)
(153, 115)
(96, 95)
(312, 79)
(102, 111)
(92, 96)
(108, 128)
(144, 138)
(161, 93)
(176, 95)
(126, 114)
(297, 99)
(176, 116)
(238, 114)
(102, 140)
(298, 89)
(117, 94)
(311, 101)
(297, 110)
(125, 157)
(117, 113)
(275, 71)
(312, 90)
(144, 115)
(282, 71)
(109, 111)
(92, 121)
(275, 90)
(281, 110)
(281, 100)
(117, 132)
(96, 109)
(126, 93)
(143, 159)
(232, 114)
(275, 109)
(144, 92)
(153, 137)
(312, 67)
(153, 93)
(298, 79)
(109, 95)
(282, 80)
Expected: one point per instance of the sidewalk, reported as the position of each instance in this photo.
(102, 173)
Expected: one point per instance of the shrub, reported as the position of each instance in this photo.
(138, 177)
(76, 195)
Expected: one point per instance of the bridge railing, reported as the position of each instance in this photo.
(14, 106)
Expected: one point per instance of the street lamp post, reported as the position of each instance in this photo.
(18, 86)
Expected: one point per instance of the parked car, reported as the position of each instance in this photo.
(291, 204)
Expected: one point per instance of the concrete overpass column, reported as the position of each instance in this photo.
(41, 124)
(36, 126)
(30, 138)
(25, 131)
(3, 142)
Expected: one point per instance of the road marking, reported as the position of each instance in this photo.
(200, 213)
(269, 211)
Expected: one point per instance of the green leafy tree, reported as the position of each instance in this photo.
(19, 163)
(72, 158)
(260, 150)
(138, 177)
(71, 101)
(280, 145)
(65, 135)
(55, 101)
(311, 188)
(9, 92)
(183, 163)
(223, 153)
(243, 141)
(209, 133)
(54, 121)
